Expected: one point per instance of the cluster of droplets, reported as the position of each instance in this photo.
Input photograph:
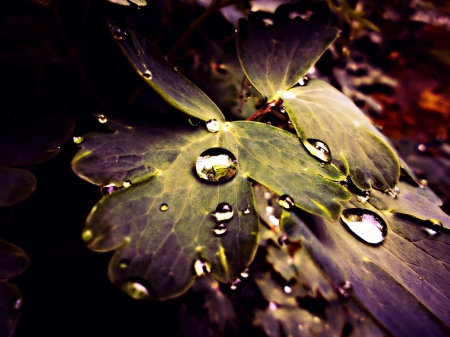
(111, 188)
(224, 212)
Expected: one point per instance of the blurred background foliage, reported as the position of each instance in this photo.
(58, 58)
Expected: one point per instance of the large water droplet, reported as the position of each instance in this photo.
(87, 235)
(108, 189)
(202, 267)
(286, 201)
(220, 229)
(164, 207)
(365, 224)
(78, 139)
(213, 125)
(136, 290)
(101, 118)
(147, 74)
(303, 81)
(216, 165)
(224, 211)
(318, 149)
(433, 227)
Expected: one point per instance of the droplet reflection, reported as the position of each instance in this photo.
(216, 165)
(365, 224)
(318, 149)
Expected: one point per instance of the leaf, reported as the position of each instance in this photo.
(13, 260)
(402, 273)
(176, 89)
(318, 111)
(10, 302)
(158, 248)
(275, 57)
(15, 185)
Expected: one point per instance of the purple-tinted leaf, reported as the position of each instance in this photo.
(15, 185)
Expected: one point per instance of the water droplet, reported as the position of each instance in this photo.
(216, 165)
(393, 192)
(246, 211)
(101, 118)
(78, 139)
(423, 183)
(318, 149)
(274, 220)
(365, 224)
(273, 306)
(287, 289)
(283, 109)
(364, 197)
(236, 146)
(283, 240)
(220, 229)
(213, 125)
(420, 278)
(175, 68)
(202, 267)
(87, 235)
(136, 290)
(124, 264)
(127, 183)
(433, 227)
(344, 182)
(322, 165)
(286, 201)
(267, 195)
(303, 81)
(422, 147)
(224, 211)
(245, 273)
(17, 304)
(108, 189)
(164, 207)
(147, 74)
(345, 288)
(234, 284)
(270, 210)
(268, 123)
(194, 121)
(117, 32)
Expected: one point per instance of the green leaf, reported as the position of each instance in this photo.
(404, 272)
(158, 247)
(176, 89)
(15, 185)
(275, 57)
(319, 111)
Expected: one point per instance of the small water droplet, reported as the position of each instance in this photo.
(87, 235)
(213, 125)
(124, 264)
(318, 149)
(283, 240)
(147, 74)
(220, 229)
(234, 284)
(236, 146)
(267, 195)
(345, 288)
(194, 121)
(287, 289)
(420, 278)
(270, 210)
(344, 182)
(423, 183)
(202, 267)
(365, 224)
(273, 306)
(364, 197)
(127, 183)
(268, 123)
(322, 165)
(117, 32)
(286, 201)
(175, 68)
(136, 290)
(164, 207)
(303, 81)
(422, 147)
(224, 212)
(316, 319)
(17, 304)
(108, 189)
(216, 165)
(393, 192)
(246, 211)
(78, 139)
(283, 109)
(101, 118)
(245, 273)
(433, 227)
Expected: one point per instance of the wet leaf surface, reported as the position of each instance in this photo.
(321, 112)
(13, 260)
(275, 57)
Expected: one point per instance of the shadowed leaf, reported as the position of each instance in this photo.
(15, 185)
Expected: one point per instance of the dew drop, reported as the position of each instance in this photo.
(420, 278)
(422, 147)
(345, 288)
(287, 289)
(224, 211)
(268, 123)
(124, 264)
(216, 165)
(303, 81)
(87, 235)
(194, 121)
(164, 207)
(101, 118)
(283, 109)
(270, 210)
(273, 306)
(364, 197)
(245, 273)
(127, 183)
(344, 182)
(136, 290)
(318, 149)
(286, 201)
(433, 227)
(393, 192)
(365, 224)
(283, 240)
(234, 284)
(117, 32)
(78, 139)
(220, 229)
(246, 211)
(17, 304)
(108, 189)
(147, 74)
(213, 125)
(202, 267)
(175, 68)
